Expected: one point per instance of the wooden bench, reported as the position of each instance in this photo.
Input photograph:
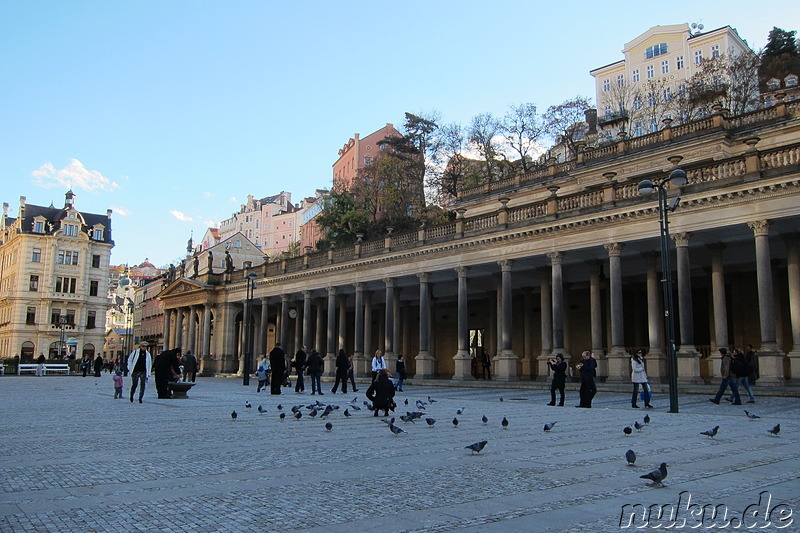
(180, 388)
(51, 367)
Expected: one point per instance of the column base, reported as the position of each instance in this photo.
(617, 366)
(689, 365)
(360, 365)
(425, 366)
(655, 363)
(506, 366)
(462, 362)
(770, 365)
(794, 365)
(390, 360)
(329, 365)
(542, 370)
(527, 368)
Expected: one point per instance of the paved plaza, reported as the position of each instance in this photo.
(76, 460)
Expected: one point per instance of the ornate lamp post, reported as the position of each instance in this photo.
(248, 328)
(677, 177)
(62, 345)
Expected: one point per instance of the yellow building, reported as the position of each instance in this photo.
(53, 281)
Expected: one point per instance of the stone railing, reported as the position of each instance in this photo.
(781, 157)
(480, 223)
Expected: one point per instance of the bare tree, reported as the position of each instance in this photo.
(522, 127)
(482, 136)
(565, 122)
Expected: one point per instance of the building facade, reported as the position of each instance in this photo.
(556, 261)
(357, 154)
(54, 281)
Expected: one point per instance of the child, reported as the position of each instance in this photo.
(262, 374)
(401, 372)
(117, 384)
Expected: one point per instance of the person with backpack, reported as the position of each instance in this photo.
(727, 379)
(741, 370)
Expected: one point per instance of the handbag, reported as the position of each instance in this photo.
(646, 395)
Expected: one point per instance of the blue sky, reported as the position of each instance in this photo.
(170, 112)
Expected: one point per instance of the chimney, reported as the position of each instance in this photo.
(69, 199)
(21, 214)
(591, 119)
(108, 213)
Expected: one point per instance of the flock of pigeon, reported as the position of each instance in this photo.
(323, 410)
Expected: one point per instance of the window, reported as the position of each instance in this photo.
(97, 234)
(653, 126)
(679, 62)
(367, 161)
(247, 264)
(36, 257)
(698, 57)
(66, 257)
(637, 103)
(620, 80)
(95, 261)
(608, 112)
(54, 316)
(715, 51)
(237, 244)
(606, 85)
(30, 318)
(667, 94)
(773, 84)
(60, 258)
(91, 318)
(791, 81)
(665, 67)
(636, 75)
(651, 99)
(71, 317)
(38, 227)
(656, 50)
(94, 285)
(718, 81)
(650, 72)
(638, 128)
(682, 90)
(66, 284)
(71, 230)
(34, 283)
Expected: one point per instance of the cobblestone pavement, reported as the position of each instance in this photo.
(76, 460)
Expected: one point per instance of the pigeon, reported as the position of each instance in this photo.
(388, 421)
(261, 410)
(396, 430)
(484, 419)
(627, 430)
(431, 400)
(313, 413)
(501, 398)
(405, 401)
(630, 456)
(247, 404)
(460, 411)
(430, 421)
(420, 404)
(328, 426)
(283, 416)
(646, 419)
(414, 414)
(280, 407)
(407, 418)
(504, 422)
(234, 414)
(657, 476)
(750, 415)
(549, 426)
(298, 415)
(328, 410)
(354, 400)
(455, 422)
(355, 408)
(366, 403)
(711, 432)
(295, 409)
(775, 430)
(638, 426)
(477, 447)
(347, 413)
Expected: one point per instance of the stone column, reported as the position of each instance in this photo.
(179, 328)
(368, 351)
(307, 317)
(319, 343)
(793, 273)
(205, 350)
(557, 288)
(358, 331)
(391, 360)
(283, 330)
(167, 329)
(527, 331)
(298, 330)
(388, 335)
(688, 356)
(229, 338)
(261, 347)
(618, 367)
(342, 337)
(424, 360)
(719, 309)
(190, 341)
(462, 359)
(546, 306)
(330, 352)
(770, 359)
(656, 361)
(596, 316)
(506, 364)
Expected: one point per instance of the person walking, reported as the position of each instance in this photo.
(342, 363)
(98, 366)
(741, 372)
(378, 364)
(86, 362)
(315, 365)
(639, 377)
(140, 363)
(40, 367)
(299, 365)
(189, 366)
(400, 369)
(559, 368)
(752, 359)
(277, 362)
(350, 373)
(381, 393)
(118, 383)
(588, 369)
(486, 361)
(727, 379)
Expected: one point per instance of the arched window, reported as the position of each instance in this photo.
(88, 349)
(55, 352)
(27, 351)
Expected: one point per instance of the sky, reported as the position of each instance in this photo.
(171, 112)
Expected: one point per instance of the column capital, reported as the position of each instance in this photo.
(682, 239)
(331, 290)
(614, 248)
(306, 294)
(555, 257)
(389, 282)
(760, 227)
(505, 264)
(284, 298)
(462, 271)
(424, 277)
(359, 285)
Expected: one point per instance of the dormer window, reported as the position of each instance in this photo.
(791, 81)
(38, 226)
(97, 233)
(773, 84)
(71, 230)
(656, 50)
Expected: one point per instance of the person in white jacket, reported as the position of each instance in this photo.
(140, 363)
(639, 377)
(378, 364)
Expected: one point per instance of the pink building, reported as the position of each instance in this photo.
(359, 153)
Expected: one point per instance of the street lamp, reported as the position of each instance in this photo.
(62, 323)
(248, 329)
(678, 178)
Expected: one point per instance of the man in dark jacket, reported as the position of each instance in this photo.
(342, 364)
(165, 368)
(381, 393)
(315, 365)
(299, 365)
(588, 370)
(277, 361)
(189, 366)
